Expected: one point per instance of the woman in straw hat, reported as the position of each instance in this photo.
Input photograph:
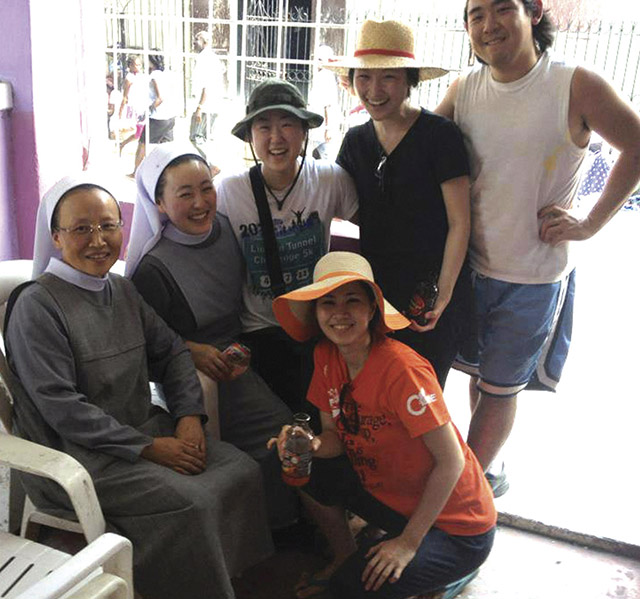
(387, 451)
(184, 260)
(83, 346)
(301, 196)
(410, 169)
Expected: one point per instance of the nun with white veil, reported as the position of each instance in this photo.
(185, 262)
(82, 347)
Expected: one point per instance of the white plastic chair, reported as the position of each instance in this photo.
(29, 570)
(12, 274)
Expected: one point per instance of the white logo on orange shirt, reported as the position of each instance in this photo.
(422, 399)
(334, 402)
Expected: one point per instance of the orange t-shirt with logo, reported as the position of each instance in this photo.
(399, 399)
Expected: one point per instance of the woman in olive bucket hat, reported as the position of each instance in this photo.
(410, 169)
(300, 196)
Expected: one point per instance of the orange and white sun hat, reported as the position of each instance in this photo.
(295, 310)
(384, 45)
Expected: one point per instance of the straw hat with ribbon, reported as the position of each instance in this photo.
(384, 45)
(295, 310)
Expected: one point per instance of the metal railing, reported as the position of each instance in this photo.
(266, 38)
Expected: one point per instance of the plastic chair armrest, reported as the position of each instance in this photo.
(62, 468)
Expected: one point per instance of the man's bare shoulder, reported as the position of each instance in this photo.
(448, 104)
(597, 106)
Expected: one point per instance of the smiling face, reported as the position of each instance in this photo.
(344, 316)
(94, 253)
(501, 34)
(383, 92)
(277, 137)
(189, 197)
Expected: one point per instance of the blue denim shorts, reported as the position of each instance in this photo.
(523, 335)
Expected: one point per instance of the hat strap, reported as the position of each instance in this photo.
(338, 273)
(280, 203)
(384, 52)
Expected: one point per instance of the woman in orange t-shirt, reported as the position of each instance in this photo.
(388, 450)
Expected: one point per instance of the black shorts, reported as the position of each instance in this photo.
(160, 131)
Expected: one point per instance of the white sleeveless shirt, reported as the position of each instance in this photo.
(522, 159)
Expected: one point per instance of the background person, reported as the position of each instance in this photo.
(208, 87)
(83, 346)
(388, 450)
(302, 196)
(135, 98)
(185, 261)
(526, 171)
(411, 172)
(162, 108)
(323, 99)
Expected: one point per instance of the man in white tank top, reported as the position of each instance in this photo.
(527, 120)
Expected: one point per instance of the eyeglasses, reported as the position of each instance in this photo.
(88, 230)
(349, 417)
(379, 172)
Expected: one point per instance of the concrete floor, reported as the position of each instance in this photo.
(522, 566)
(570, 456)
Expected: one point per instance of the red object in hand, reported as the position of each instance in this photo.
(240, 356)
(422, 301)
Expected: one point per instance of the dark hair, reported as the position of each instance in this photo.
(162, 179)
(413, 76)
(55, 217)
(156, 61)
(375, 324)
(543, 33)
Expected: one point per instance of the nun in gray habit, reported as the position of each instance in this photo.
(83, 346)
(190, 270)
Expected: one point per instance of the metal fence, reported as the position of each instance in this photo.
(263, 38)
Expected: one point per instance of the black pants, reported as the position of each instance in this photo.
(441, 559)
(284, 364)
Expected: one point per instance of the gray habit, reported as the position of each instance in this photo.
(83, 360)
(196, 289)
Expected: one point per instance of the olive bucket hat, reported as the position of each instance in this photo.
(275, 94)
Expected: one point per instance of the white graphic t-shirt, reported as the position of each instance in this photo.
(323, 191)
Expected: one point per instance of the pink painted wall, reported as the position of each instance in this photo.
(59, 105)
(18, 150)
(8, 238)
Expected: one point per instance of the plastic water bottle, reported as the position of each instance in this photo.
(296, 456)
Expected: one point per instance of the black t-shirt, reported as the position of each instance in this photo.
(403, 220)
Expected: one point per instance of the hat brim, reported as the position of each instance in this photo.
(242, 128)
(344, 65)
(294, 310)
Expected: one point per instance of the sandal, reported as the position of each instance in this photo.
(368, 535)
(311, 582)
